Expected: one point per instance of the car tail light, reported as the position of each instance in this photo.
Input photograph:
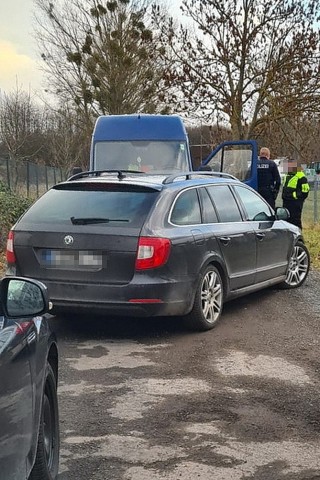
(11, 258)
(152, 252)
(23, 327)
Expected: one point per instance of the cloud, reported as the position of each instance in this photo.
(16, 69)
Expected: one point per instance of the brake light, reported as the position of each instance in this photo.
(152, 252)
(23, 327)
(11, 258)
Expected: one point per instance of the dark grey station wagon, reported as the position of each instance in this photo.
(140, 244)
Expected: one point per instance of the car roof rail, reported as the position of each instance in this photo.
(190, 175)
(97, 173)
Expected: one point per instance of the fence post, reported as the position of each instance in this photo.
(37, 179)
(8, 173)
(28, 180)
(315, 198)
(47, 183)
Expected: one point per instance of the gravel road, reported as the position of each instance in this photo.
(146, 399)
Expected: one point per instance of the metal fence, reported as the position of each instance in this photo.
(33, 180)
(310, 211)
(29, 178)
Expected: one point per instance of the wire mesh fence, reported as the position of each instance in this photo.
(310, 212)
(28, 178)
(32, 180)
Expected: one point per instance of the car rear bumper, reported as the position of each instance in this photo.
(160, 298)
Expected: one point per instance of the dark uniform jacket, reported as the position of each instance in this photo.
(269, 179)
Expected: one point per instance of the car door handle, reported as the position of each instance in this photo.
(261, 235)
(225, 240)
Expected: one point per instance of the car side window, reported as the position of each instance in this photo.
(209, 214)
(225, 203)
(256, 208)
(186, 210)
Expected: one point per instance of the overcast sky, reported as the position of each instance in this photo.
(19, 63)
(18, 49)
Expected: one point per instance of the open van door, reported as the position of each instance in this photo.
(238, 158)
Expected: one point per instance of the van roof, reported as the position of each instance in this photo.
(139, 127)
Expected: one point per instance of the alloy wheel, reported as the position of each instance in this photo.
(298, 266)
(211, 296)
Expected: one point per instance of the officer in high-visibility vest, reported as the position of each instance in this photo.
(295, 191)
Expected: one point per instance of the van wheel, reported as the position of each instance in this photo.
(47, 458)
(208, 301)
(299, 265)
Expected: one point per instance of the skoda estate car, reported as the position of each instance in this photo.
(143, 245)
(29, 426)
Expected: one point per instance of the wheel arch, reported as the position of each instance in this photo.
(217, 262)
(53, 359)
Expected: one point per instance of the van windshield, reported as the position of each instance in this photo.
(144, 156)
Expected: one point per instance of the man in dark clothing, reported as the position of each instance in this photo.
(269, 179)
(295, 191)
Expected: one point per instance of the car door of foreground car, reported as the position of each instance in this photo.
(236, 238)
(16, 397)
(274, 241)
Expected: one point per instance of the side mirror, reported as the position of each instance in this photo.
(282, 213)
(22, 297)
(205, 168)
(74, 171)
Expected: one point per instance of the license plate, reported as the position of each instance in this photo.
(66, 259)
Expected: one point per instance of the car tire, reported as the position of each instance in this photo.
(47, 457)
(299, 265)
(208, 302)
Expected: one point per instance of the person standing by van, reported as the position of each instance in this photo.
(269, 179)
(295, 191)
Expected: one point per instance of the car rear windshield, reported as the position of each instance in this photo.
(95, 204)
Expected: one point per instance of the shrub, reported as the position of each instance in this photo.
(12, 206)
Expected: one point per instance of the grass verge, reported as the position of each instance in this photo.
(311, 235)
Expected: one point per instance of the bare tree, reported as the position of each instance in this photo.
(101, 55)
(248, 62)
(67, 142)
(22, 123)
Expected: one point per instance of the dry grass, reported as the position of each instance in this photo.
(311, 234)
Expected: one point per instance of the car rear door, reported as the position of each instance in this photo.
(16, 397)
(236, 237)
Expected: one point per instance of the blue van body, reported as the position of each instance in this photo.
(159, 144)
(118, 139)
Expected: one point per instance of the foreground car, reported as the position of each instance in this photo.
(139, 244)
(29, 428)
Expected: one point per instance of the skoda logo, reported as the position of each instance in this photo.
(68, 240)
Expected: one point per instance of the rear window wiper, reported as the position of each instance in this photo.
(93, 220)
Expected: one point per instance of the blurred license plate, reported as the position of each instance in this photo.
(63, 258)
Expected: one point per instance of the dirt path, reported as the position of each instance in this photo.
(147, 400)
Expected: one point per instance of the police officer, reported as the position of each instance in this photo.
(295, 191)
(269, 179)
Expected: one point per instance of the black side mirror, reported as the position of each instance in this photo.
(74, 171)
(21, 297)
(205, 168)
(282, 213)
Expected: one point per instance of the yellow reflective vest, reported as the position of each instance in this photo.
(295, 186)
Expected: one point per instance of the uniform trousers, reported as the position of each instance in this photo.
(295, 210)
